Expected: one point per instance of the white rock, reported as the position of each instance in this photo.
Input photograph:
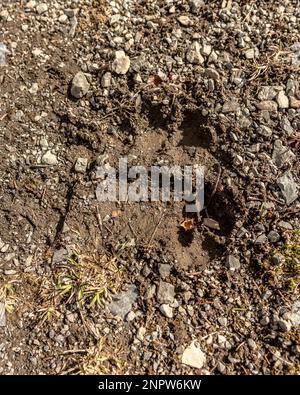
(79, 86)
(81, 165)
(2, 314)
(282, 100)
(206, 49)
(166, 310)
(193, 54)
(41, 8)
(31, 4)
(184, 20)
(193, 356)
(121, 64)
(49, 159)
(106, 80)
(63, 18)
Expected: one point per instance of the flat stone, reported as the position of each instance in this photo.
(267, 105)
(193, 356)
(122, 302)
(165, 292)
(184, 20)
(282, 155)
(265, 131)
(121, 64)
(211, 223)
(233, 263)
(288, 187)
(59, 256)
(267, 93)
(164, 270)
(49, 159)
(79, 85)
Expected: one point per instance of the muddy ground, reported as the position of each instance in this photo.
(121, 287)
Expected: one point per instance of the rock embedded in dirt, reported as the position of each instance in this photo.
(288, 187)
(193, 54)
(79, 86)
(59, 256)
(211, 223)
(166, 310)
(49, 159)
(282, 155)
(165, 292)
(164, 270)
(193, 356)
(122, 302)
(282, 100)
(233, 263)
(184, 20)
(81, 165)
(284, 325)
(273, 236)
(41, 8)
(106, 80)
(121, 64)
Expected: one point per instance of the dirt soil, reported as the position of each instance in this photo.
(120, 287)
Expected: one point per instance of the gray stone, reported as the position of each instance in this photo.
(273, 236)
(59, 256)
(282, 155)
(288, 187)
(193, 356)
(267, 93)
(265, 131)
(277, 259)
(285, 225)
(233, 263)
(196, 5)
(166, 310)
(164, 270)
(49, 159)
(122, 302)
(121, 64)
(211, 223)
(165, 292)
(262, 239)
(79, 86)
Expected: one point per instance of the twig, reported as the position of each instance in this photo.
(216, 186)
(155, 229)
(131, 228)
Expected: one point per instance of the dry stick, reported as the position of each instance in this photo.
(155, 229)
(216, 186)
(131, 228)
